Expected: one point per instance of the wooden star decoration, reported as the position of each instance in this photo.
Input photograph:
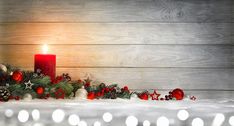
(155, 95)
(28, 85)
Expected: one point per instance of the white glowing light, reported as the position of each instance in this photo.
(38, 124)
(36, 115)
(197, 122)
(58, 115)
(82, 123)
(183, 115)
(23, 116)
(73, 119)
(97, 123)
(9, 113)
(45, 49)
(231, 121)
(162, 121)
(107, 117)
(218, 120)
(146, 123)
(131, 121)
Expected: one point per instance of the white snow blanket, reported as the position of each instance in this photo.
(117, 113)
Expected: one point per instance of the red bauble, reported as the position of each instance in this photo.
(91, 95)
(40, 90)
(178, 94)
(144, 96)
(17, 76)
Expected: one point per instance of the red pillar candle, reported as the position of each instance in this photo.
(46, 63)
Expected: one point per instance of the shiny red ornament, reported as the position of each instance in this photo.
(40, 90)
(91, 95)
(178, 94)
(144, 96)
(17, 76)
(60, 94)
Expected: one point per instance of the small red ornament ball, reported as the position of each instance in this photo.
(91, 95)
(17, 76)
(178, 94)
(40, 90)
(144, 96)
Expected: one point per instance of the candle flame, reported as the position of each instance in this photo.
(45, 49)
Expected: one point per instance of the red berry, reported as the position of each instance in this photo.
(125, 88)
(80, 81)
(161, 99)
(11, 97)
(103, 90)
(87, 84)
(107, 90)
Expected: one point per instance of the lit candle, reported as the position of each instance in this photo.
(45, 63)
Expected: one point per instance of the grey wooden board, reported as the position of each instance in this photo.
(117, 33)
(116, 11)
(124, 55)
(157, 78)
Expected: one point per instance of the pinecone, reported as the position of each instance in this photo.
(4, 94)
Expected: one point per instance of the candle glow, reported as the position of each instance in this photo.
(45, 49)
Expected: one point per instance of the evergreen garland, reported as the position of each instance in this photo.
(14, 80)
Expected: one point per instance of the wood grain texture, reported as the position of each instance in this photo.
(124, 55)
(116, 11)
(157, 78)
(117, 33)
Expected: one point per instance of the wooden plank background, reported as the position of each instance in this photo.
(144, 44)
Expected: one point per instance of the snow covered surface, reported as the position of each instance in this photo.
(117, 113)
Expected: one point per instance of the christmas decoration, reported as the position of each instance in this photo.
(39, 90)
(4, 94)
(60, 94)
(193, 98)
(155, 95)
(144, 96)
(81, 93)
(27, 97)
(91, 95)
(66, 77)
(3, 68)
(17, 76)
(178, 94)
(134, 96)
(28, 85)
